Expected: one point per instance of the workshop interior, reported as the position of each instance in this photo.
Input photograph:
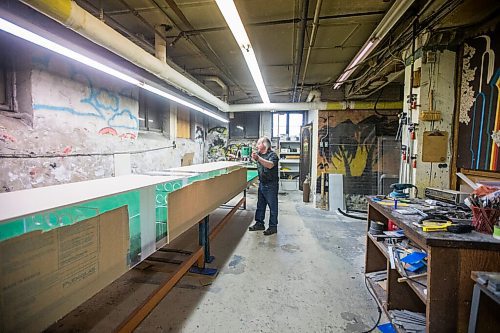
(128, 139)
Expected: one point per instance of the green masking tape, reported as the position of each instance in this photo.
(496, 232)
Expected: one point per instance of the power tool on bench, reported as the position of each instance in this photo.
(398, 190)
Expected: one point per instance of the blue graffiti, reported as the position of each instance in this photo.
(102, 99)
(66, 109)
(105, 103)
(114, 122)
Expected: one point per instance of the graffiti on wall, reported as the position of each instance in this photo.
(216, 144)
(348, 146)
(479, 118)
(88, 106)
(221, 149)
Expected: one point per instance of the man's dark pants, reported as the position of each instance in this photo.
(267, 196)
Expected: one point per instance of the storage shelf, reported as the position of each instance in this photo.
(294, 153)
(380, 245)
(381, 299)
(380, 293)
(297, 161)
(417, 288)
(451, 258)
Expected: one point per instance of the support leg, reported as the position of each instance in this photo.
(476, 293)
(208, 258)
(245, 197)
(204, 242)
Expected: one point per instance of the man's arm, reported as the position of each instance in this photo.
(266, 163)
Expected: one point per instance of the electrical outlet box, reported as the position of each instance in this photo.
(431, 57)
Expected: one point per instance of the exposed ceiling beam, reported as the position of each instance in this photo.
(143, 20)
(210, 53)
(286, 21)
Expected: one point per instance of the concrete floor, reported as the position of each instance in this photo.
(307, 278)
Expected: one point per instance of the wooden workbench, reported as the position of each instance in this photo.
(451, 258)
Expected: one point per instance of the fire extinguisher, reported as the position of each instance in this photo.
(414, 161)
(306, 188)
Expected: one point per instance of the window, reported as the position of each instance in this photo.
(151, 111)
(244, 125)
(183, 122)
(287, 124)
(7, 85)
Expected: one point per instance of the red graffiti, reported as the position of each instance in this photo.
(131, 136)
(108, 130)
(7, 137)
(67, 150)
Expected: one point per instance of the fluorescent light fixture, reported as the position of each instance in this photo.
(352, 65)
(388, 21)
(50, 45)
(240, 127)
(233, 20)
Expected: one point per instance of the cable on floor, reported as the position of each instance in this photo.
(378, 308)
(351, 216)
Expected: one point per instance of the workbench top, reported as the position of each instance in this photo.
(26, 202)
(473, 240)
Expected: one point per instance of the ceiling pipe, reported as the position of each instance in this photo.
(300, 49)
(342, 105)
(218, 80)
(278, 22)
(86, 5)
(71, 15)
(312, 41)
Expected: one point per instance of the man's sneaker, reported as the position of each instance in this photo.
(257, 226)
(270, 231)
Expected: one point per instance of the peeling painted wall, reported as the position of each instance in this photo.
(439, 77)
(80, 119)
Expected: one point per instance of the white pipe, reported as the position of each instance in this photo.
(312, 40)
(216, 79)
(278, 107)
(76, 18)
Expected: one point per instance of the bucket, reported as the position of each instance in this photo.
(484, 219)
(245, 151)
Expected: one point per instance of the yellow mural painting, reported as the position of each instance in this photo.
(356, 165)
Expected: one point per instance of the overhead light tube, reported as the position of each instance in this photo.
(64, 51)
(386, 24)
(233, 20)
(352, 65)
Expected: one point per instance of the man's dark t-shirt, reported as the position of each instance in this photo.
(268, 176)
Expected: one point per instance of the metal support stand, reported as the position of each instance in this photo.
(204, 242)
(204, 229)
(245, 202)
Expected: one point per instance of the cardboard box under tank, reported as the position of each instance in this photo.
(45, 275)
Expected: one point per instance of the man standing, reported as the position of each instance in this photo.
(267, 166)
